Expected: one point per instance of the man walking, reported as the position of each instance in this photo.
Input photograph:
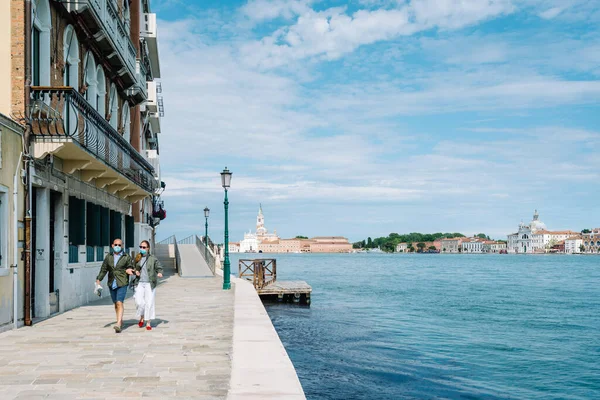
(119, 265)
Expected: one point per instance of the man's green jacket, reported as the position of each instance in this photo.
(118, 272)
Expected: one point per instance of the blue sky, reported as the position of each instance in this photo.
(367, 117)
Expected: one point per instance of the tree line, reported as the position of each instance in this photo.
(390, 242)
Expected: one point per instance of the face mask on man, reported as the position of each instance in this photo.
(117, 249)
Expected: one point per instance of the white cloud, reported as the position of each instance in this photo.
(332, 33)
(264, 10)
(551, 13)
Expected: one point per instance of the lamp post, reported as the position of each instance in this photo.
(206, 212)
(226, 182)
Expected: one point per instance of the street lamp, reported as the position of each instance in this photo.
(206, 212)
(226, 183)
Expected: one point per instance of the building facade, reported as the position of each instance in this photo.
(472, 245)
(251, 241)
(591, 241)
(451, 245)
(535, 238)
(84, 83)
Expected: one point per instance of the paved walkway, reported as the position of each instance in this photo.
(77, 355)
(193, 264)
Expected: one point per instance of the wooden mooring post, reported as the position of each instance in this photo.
(263, 275)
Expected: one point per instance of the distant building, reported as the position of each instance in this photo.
(234, 247)
(492, 246)
(401, 247)
(535, 238)
(330, 244)
(573, 245)
(451, 245)
(591, 241)
(265, 242)
(472, 245)
(251, 241)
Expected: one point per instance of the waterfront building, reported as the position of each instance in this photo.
(401, 247)
(451, 245)
(251, 241)
(535, 238)
(472, 245)
(234, 247)
(573, 245)
(591, 241)
(330, 244)
(492, 246)
(93, 121)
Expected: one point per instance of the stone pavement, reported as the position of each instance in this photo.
(77, 354)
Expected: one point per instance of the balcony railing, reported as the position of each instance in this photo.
(57, 112)
(105, 17)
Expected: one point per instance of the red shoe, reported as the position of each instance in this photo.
(141, 324)
(148, 328)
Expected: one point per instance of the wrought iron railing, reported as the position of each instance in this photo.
(107, 15)
(62, 112)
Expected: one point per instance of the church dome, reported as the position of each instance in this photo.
(536, 224)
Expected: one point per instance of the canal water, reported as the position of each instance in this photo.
(393, 326)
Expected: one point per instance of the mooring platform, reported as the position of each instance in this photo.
(286, 291)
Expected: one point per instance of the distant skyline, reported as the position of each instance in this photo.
(367, 117)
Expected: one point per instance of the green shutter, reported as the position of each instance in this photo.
(76, 221)
(94, 225)
(129, 231)
(115, 225)
(104, 227)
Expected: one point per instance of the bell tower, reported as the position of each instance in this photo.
(260, 222)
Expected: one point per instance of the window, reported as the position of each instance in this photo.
(40, 43)
(89, 79)
(4, 224)
(35, 57)
(100, 92)
(113, 106)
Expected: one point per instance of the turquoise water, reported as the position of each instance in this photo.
(443, 326)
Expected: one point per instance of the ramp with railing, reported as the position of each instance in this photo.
(193, 262)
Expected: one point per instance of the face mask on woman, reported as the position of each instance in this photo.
(143, 251)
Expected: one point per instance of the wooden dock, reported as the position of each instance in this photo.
(287, 292)
(263, 275)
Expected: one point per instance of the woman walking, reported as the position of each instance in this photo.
(147, 270)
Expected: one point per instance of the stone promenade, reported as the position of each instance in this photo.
(78, 355)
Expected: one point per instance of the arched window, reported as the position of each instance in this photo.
(113, 106)
(100, 92)
(89, 79)
(40, 43)
(126, 14)
(125, 122)
(71, 58)
(70, 74)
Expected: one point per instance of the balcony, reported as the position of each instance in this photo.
(153, 159)
(139, 91)
(152, 103)
(65, 125)
(150, 36)
(102, 18)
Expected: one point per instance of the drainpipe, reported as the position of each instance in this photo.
(16, 244)
(26, 137)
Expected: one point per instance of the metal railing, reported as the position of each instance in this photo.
(207, 255)
(116, 31)
(173, 240)
(78, 120)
